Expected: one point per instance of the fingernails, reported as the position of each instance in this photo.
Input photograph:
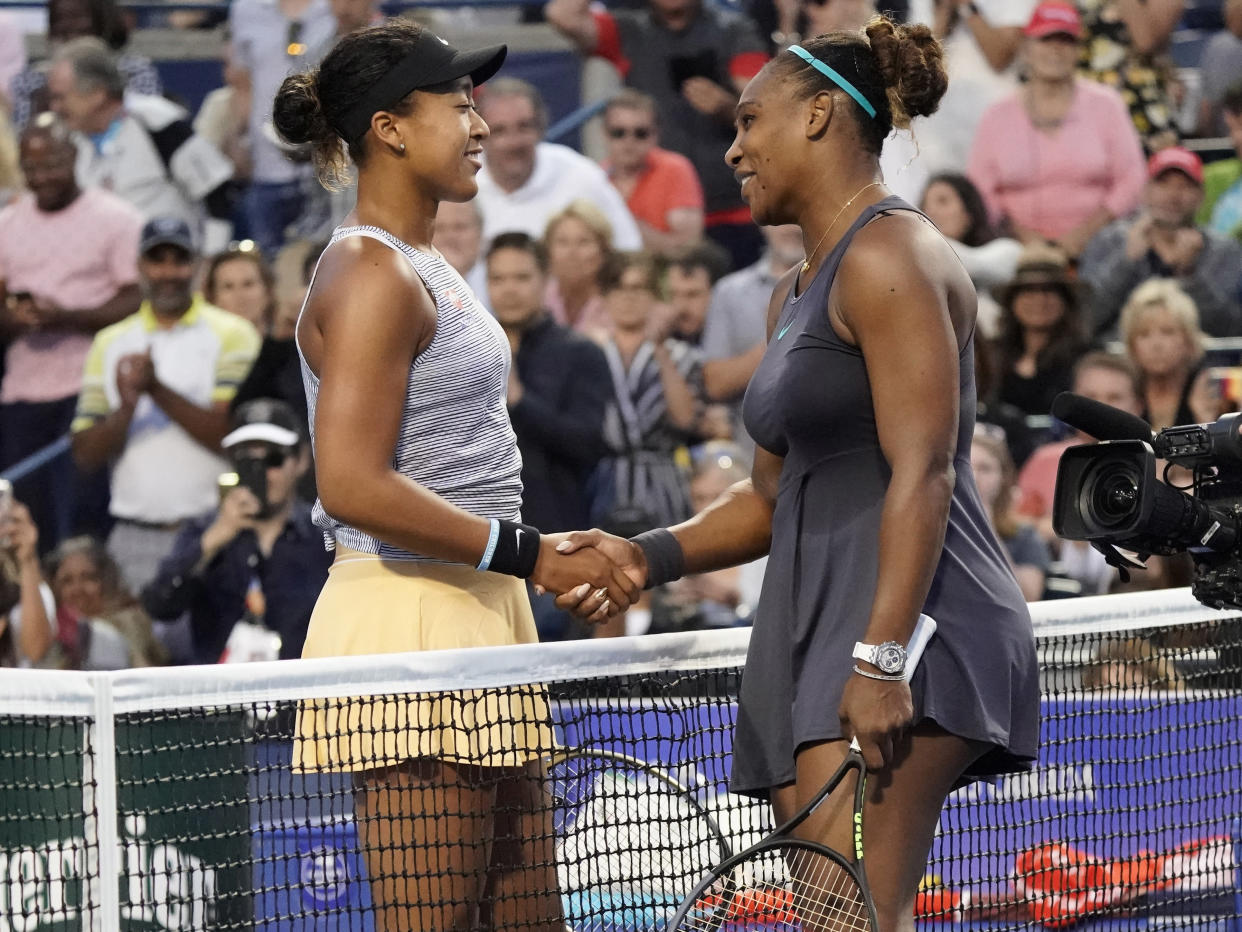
(582, 590)
(563, 546)
(539, 590)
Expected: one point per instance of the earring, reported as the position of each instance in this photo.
(402, 147)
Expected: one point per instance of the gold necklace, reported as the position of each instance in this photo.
(806, 264)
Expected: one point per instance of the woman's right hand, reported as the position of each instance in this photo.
(578, 572)
(237, 512)
(590, 604)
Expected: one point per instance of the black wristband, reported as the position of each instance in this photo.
(517, 550)
(666, 561)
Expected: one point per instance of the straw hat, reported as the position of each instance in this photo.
(1041, 265)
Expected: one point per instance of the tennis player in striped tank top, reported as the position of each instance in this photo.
(420, 493)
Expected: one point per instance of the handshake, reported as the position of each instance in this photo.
(614, 570)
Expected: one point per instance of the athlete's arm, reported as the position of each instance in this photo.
(895, 301)
(369, 316)
(737, 527)
(892, 301)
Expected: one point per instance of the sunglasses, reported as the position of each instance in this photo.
(274, 458)
(638, 132)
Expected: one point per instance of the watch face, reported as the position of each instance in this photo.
(891, 657)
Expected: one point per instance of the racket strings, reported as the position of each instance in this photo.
(782, 888)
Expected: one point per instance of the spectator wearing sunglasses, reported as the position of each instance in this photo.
(693, 58)
(257, 556)
(661, 188)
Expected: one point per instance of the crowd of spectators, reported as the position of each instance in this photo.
(153, 262)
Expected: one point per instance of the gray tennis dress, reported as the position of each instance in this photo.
(810, 402)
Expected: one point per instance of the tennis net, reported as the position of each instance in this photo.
(190, 798)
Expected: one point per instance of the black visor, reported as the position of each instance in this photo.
(432, 61)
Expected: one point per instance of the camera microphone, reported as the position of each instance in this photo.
(1098, 420)
(1187, 444)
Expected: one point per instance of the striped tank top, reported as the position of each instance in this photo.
(455, 437)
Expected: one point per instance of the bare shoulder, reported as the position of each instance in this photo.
(365, 286)
(899, 259)
(359, 270)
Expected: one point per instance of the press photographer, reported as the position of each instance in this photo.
(1109, 494)
(249, 572)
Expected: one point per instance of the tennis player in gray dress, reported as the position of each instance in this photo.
(863, 409)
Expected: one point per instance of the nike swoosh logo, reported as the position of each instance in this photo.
(784, 330)
(517, 537)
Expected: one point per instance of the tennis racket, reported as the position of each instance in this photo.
(785, 883)
(631, 838)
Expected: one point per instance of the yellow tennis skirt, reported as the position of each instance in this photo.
(374, 606)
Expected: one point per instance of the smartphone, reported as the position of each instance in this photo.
(252, 475)
(700, 65)
(1226, 382)
(226, 483)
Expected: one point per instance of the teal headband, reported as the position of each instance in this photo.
(835, 77)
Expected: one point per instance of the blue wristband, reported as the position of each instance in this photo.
(492, 538)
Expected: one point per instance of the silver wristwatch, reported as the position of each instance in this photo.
(889, 657)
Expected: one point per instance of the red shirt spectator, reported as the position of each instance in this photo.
(693, 59)
(661, 188)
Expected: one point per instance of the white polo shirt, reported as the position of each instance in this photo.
(164, 474)
(560, 176)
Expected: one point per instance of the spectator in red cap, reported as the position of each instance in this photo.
(1163, 241)
(1058, 159)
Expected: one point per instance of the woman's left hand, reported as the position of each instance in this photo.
(877, 713)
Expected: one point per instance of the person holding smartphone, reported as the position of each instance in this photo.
(257, 557)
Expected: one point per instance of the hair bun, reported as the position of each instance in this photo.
(296, 112)
(911, 63)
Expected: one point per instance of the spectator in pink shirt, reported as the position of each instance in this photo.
(661, 188)
(68, 268)
(1059, 158)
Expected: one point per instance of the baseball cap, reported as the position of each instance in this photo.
(166, 231)
(264, 420)
(1176, 158)
(430, 62)
(1052, 17)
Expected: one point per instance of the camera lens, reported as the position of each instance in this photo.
(1112, 494)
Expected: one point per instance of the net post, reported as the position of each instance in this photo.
(99, 772)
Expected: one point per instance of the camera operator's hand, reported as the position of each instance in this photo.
(236, 513)
(21, 535)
